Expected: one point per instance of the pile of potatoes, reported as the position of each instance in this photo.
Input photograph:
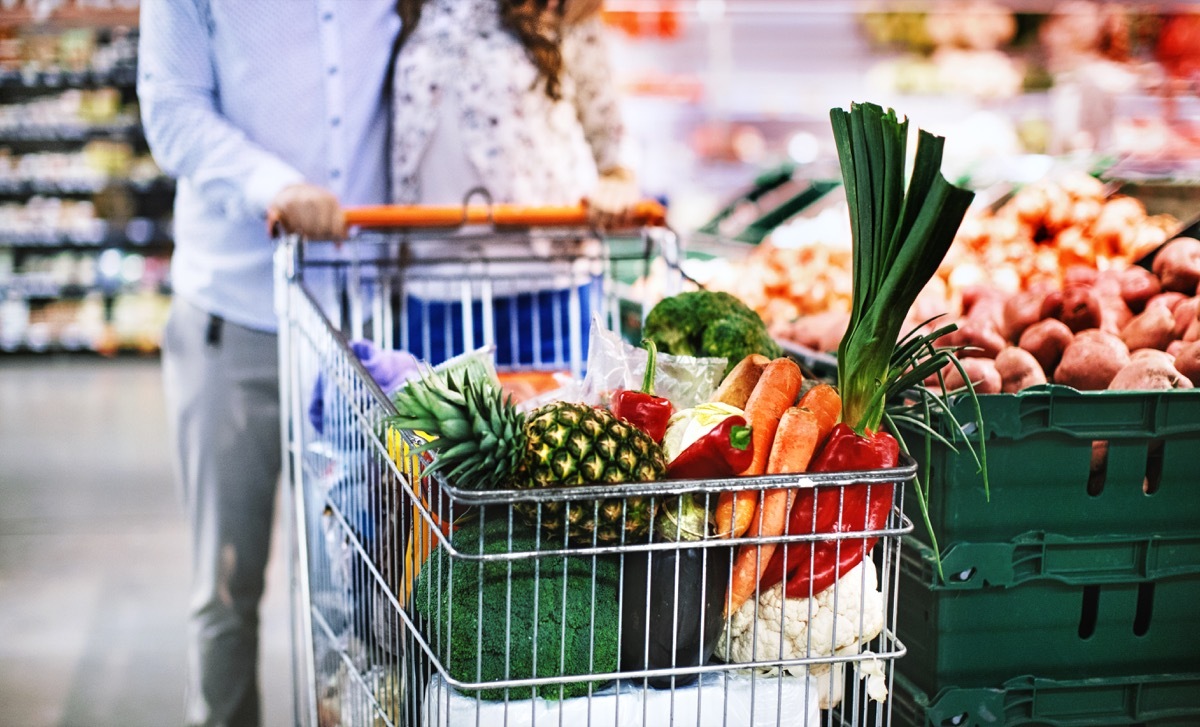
(1025, 244)
(1131, 329)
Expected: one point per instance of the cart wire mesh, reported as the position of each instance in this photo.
(416, 602)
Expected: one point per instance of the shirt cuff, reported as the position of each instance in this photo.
(606, 149)
(266, 181)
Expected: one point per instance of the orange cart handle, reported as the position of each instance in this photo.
(647, 213)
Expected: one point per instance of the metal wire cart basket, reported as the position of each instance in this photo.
(416, 602)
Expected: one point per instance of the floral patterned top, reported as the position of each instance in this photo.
(524, 147)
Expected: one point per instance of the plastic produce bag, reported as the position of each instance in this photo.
(716, 700)
(615, 364)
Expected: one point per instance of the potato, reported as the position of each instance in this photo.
(1149, 374)
(1020, 312)
(984, 304)
(1154, 328)
(1174, 349)
(1047, 340)
(830, 329)
(1114, 314)
(1171, 300)
(1077, 306)
(1081, 308)
(1185, 314)
(1193, 332)
(1092, 361)
(1018, 370)
(1152, 354)
(1138, 286)
(1177, 265)
(981, 338)
(1052, 305)
(1187, 361)
(983, 373)
(818, 331)
(1109, 340)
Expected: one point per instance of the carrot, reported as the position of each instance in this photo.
(737, 386)
(800, 432)
(796, 440)
(826, 403)
(775, 391)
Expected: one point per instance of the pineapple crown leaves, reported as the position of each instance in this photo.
(479, 433)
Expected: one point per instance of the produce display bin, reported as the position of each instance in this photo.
(1161, 700)
(416, 602)
(758, 230)
(759, 190)
(775, 198)
(1086, 607)
(1065, 462)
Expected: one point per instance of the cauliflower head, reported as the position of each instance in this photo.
(834, 622)
(775, 627)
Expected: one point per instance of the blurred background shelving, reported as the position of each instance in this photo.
(719, 90)
(85, 215)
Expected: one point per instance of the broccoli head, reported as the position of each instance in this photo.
(454, 604)
(707, 323)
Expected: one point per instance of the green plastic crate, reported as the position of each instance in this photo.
(758, 230)
(1040, 452)
(1162, 700)
(762, 185)
(1079, 610)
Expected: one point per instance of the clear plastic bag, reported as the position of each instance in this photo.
(615, 364)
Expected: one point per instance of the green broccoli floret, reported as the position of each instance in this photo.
(452, 606)
(707, 323)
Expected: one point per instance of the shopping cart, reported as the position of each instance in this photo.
(416, 602)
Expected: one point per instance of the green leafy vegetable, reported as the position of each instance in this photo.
(708, 323)
(485, 614)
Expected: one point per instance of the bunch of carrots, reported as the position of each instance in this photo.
(786, 434)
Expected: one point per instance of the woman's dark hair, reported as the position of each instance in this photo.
(530, 22)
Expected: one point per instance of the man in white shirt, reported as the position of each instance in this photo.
(270, 106)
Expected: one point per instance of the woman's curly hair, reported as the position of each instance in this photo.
(532, 22)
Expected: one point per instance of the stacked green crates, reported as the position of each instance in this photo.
(1071, 596)
(1162, 700)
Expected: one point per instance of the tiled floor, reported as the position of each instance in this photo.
(93, 553)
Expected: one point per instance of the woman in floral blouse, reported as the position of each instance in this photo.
(516, 97)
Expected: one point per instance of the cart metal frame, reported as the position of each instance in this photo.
(364, 651)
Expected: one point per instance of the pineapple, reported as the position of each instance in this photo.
(484, 442)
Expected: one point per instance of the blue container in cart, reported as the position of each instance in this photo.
(530, 328)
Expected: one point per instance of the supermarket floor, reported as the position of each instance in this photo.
(94, 554)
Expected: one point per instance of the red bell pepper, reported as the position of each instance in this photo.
(642, 408)
(815, 566)
(723, 451)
